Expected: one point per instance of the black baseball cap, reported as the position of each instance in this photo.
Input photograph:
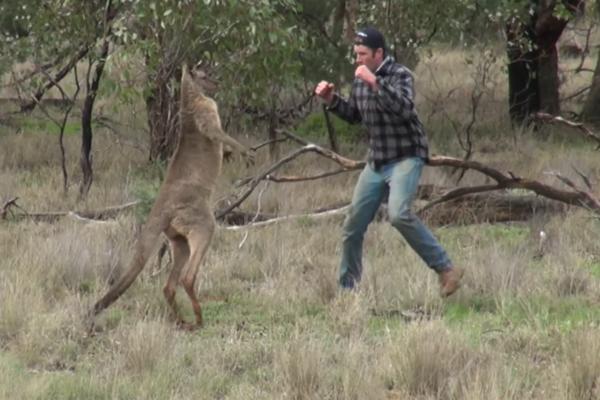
(371, 38)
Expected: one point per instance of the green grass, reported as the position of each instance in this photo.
(44, 126)
(593, 267)
(543, 313)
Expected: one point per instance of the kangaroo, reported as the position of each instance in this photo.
(182, 208)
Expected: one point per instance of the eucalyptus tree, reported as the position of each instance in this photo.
(55, 36)
(591, 108)
(250, 46)
(532, 30)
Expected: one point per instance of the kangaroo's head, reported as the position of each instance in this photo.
(199, 78)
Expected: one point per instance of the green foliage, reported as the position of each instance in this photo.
(147, 183)
(314, 126)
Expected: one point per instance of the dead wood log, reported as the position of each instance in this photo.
(466, 210)
(503, 180)
(576, 197)
(491, 207)
(83, 215)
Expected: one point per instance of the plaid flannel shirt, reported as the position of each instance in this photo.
(393, 126)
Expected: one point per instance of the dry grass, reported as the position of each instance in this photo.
(522, 327)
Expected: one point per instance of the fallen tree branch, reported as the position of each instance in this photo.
(343, 161)
(509, 180)
(544, 117)
(578, 197)
(472, 208)
(317, 215)
(459, 192)
(491, 207)
(308, 147)
(293, 179)
(84, 215)
(7, 205)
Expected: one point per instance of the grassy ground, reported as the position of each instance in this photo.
(522, 327)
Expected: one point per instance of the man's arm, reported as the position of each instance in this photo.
(395, 95)
(346, 110)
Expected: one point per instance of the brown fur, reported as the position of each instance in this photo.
(182, 208)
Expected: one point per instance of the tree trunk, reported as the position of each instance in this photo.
(548, 82)
(523, 94)
(548, 29)
(352, 10)
(338, 21)
(333, 142)
(161, 107)
(273, 147)
(85, 160)
(591, 108)
(533, 61)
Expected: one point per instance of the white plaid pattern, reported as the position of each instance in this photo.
(393, 125)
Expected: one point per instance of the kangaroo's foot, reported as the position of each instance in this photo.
(187, 326)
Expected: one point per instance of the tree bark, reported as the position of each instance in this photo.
(331, 134)
(591, 108)
(523, 94)
(85, 160)
(533, 60)
(161, 106)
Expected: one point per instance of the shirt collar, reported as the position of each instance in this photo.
(384, 64)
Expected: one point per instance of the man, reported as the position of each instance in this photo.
(382, 99)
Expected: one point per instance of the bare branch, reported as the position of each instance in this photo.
(343, 161)
(97, 215)
(268, 142)
(294, 179)
(583, 177)
(503, 180)
(254, 182)
(6, 206)
(544, 117)
(323, 214)
(577, 93)
(37, 96)
(459, 192)
(578, 198)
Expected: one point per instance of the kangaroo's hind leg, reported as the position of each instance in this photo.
(181, 254)
(198, 237)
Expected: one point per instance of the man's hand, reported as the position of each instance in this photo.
(364, 73)
(325, 91)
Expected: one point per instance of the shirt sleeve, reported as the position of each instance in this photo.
(395, 94)
(345, 109)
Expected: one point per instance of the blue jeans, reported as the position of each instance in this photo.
(401, 180)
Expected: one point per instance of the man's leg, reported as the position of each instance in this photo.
(403, 178)
(368, 193)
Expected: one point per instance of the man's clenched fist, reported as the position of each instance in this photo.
(325, 91)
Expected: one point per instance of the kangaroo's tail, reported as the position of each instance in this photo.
(143, 250)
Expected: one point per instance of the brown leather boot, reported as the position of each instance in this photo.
(450, 280)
